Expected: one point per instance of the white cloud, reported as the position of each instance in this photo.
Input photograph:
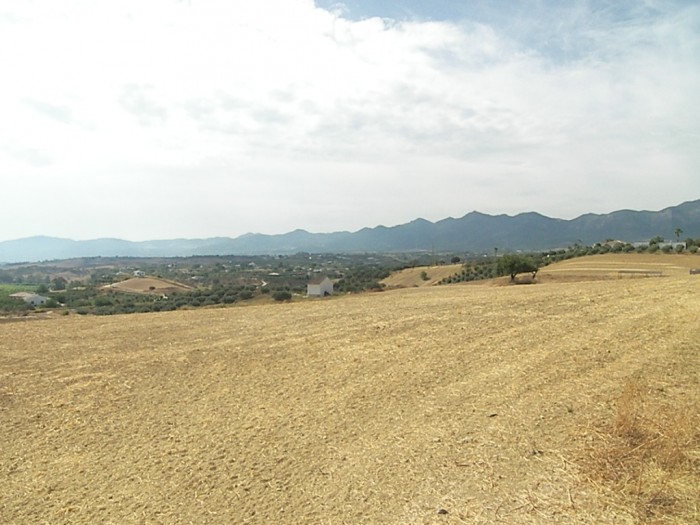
(225, 117)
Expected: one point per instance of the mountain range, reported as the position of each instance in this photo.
(474, 233)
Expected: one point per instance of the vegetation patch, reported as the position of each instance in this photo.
(13, 305)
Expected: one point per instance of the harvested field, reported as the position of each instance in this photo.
(411, 277)
(616, 266)
(552, 403)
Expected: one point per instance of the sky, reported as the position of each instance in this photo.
(201, 118)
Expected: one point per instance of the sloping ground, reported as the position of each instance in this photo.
(411, 277)
(148, 285)
(618, 266)
(442, 405)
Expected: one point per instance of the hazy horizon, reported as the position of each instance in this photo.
(211, 118)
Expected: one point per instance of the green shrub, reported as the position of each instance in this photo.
(282, 295)
(103, 301)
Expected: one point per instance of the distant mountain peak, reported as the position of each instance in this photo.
(475, 232)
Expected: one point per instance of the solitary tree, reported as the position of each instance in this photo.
(678, 232)
(514, 264)
(59, 283)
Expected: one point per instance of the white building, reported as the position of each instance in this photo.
(319, 287)
(31, 298)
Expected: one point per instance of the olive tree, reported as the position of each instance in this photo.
(512, 265)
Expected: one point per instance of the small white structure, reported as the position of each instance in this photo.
(319, 287)
(31, 298)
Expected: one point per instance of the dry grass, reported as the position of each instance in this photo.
(648, 456)
(411, 277)
(493, 404)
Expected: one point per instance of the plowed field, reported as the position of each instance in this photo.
(148, 285)
(451, 404)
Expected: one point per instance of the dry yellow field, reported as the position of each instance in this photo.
(148, 285)
(410, 277)
(562, 402)
(615, 266)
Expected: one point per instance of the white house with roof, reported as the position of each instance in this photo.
(320, 286)
(30, 298)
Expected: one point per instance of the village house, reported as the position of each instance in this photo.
(31, 298)
(320, 286)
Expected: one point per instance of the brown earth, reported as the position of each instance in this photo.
(148, 285)
(451, 404)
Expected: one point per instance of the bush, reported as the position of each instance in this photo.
(103, 301)
(282, 296)
(11, 304)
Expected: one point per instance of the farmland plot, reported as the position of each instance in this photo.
(449, 404)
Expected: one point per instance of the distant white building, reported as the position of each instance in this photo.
(319, 287)
(31, 298)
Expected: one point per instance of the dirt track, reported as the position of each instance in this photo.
(381, 408)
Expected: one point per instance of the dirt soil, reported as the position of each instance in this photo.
(411, 277)
(148, 285)
(433, 405)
